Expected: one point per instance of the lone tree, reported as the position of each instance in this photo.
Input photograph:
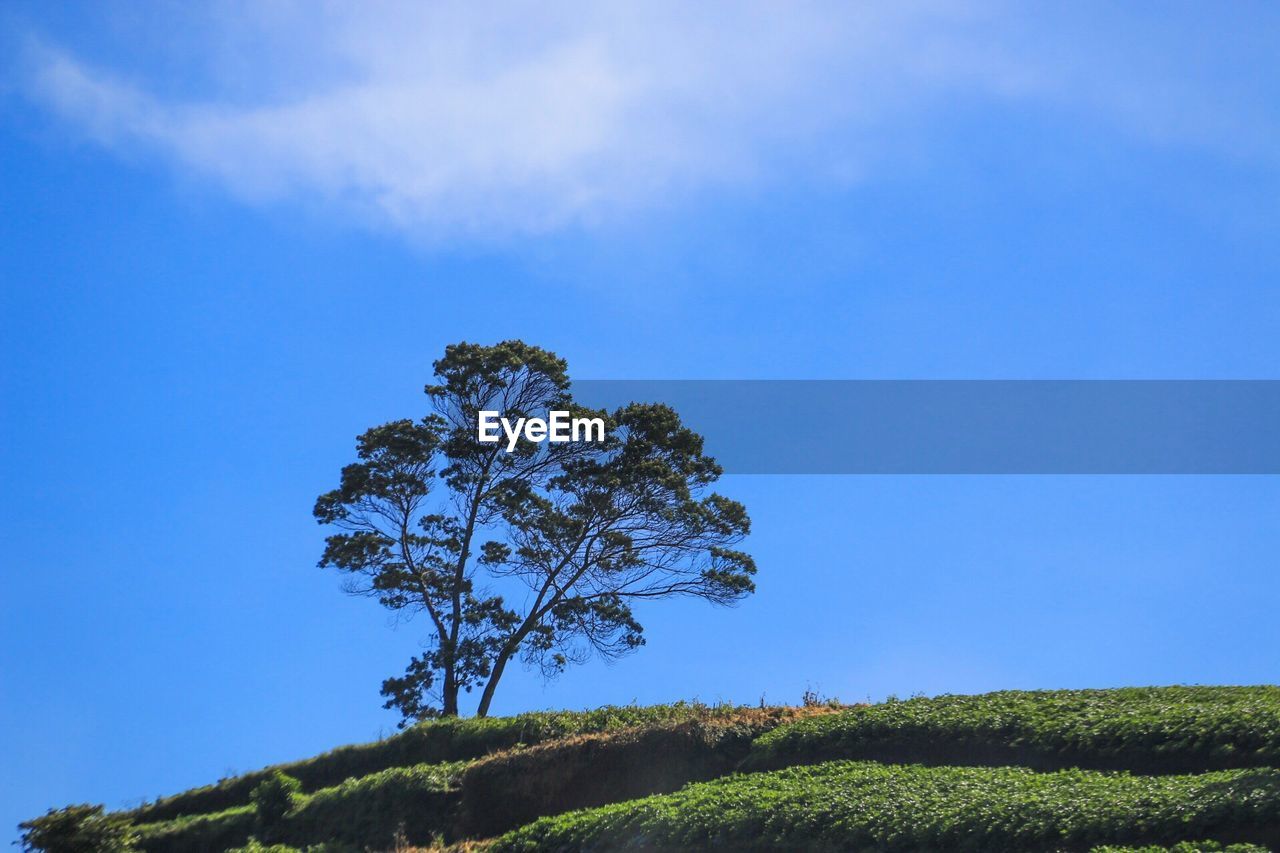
(432, 521)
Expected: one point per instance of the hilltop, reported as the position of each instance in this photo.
(1186, 768)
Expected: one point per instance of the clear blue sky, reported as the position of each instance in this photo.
(234, 238)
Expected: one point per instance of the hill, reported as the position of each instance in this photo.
(1183, 768)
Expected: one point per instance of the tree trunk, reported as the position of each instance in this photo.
(487, 696)
(449, 699)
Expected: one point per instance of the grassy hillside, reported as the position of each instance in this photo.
(428, 743)
(845, 805)
(1151, 768)
(1146, 730)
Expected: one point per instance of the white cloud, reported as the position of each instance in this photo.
(442, 119)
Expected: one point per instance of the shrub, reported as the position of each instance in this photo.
(275, 797)
(845, 805)
(77, 829)
(1147, 730)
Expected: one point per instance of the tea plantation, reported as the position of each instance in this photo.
(1146, 769)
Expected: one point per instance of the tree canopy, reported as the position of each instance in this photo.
(541, 552)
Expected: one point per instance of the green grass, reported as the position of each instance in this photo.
(426, 743)
(866, 806)
(1149, 730)
(975, 784)
(204, 833)
(371, 810)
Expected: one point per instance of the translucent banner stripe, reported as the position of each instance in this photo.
(971, 426)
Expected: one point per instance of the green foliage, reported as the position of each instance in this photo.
(845, 805)
(256, 846)
(1147, 730)
(408, 803)
(1185, 847)
(412, 802)
(78, 829)
(435, 741)
(202, 833)
(420, 785)
(274, 798)
(506, 790)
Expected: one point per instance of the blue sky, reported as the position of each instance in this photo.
(235, 237)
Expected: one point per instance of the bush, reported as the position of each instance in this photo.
(275, 797)
(437, 741)
(1146, 730)
(77, 829)
(845, 805)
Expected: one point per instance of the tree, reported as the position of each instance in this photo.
(434, 522)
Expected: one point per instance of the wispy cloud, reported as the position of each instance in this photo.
(453, 118)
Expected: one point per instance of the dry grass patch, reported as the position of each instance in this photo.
(511, 788)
